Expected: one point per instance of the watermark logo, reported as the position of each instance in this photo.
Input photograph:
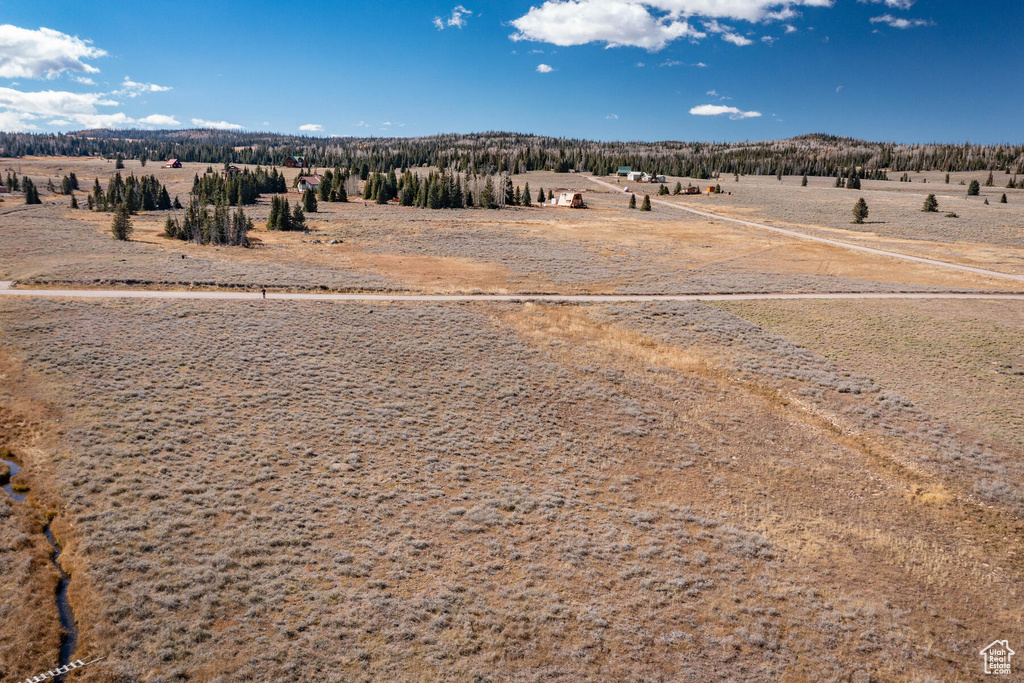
(997, 657)
(60, 671)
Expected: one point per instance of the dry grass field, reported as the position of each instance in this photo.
(605, 249)
(280, 490)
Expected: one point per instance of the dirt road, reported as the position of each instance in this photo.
(824, 240)
(6, 290)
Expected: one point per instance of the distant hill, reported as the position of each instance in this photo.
(817, 154)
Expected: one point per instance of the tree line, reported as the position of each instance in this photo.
(499, 152)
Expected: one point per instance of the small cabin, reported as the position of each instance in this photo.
(656, 179)
(623, 171)
(711, 189)
(173, 163)
(308, 182)
(295, 162)
(692, 189)
(572, 200)
(635, 176)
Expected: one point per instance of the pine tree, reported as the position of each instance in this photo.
(551, 195)
(860, 211)
(540, 196)
(177, 203)
(31, 193)
(298, 219)
(803, 181)
(632, 201)
(662, 190)
(974, 189)
(275, 213)
(342, 196)
(487, 196)
(309, 201)
(74, 201)
(527, 200)
(947, 179)
(122, 225)
(119, 162)
(1002, 200)
(646, 205)
(990, 181)
(931, 204)
(171, 228)
(679, 188)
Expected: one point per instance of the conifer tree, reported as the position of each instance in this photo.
(527, 200)
(632, 201)
(298, 219)
(679, 188)
(74, 201)
(171, 228)
(122, 225)
(803, 181)
(487, 195)
(275, 213)
(646, 205)
(1002, 200)
(974, 189)
(540, 196)
(309, 201)
(31, 193)
(860, 211)
(990, 181)
(119, 162)
(931, 204)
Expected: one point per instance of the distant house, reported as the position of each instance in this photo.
(295, 162)
(623, 171)
(656, 179)
(573, 200)
(3, 189)
(230, 171)
(173, 163)
(635, 176)
(308, 182)
(711, 189)
(692, 189)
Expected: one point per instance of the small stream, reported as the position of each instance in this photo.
(69, 641)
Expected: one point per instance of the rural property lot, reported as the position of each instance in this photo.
(280, 490)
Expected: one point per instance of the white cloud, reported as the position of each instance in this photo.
(311, 127)
(544, 69)
(839, 89)
(650, 24)
(216, 125)
(671, 62)
(736, 39)
(899, 22)
(159, 120)
(700, 65)
(16, 122)
(130, 88)
(894, 4)
(25, 53)
(19, 110)
(612, 22)
(790, 28)
(767, 40)
(85, 80)
(719, 109)
(727, 32)
(713, 93)
(456, 19)
(612, 116)
(640, 65)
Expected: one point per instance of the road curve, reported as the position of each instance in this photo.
(6, 291)
(825, 240)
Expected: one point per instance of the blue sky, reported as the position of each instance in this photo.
(900, 70)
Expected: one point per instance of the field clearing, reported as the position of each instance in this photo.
(920, 349)
(605, 249)
(523, 492)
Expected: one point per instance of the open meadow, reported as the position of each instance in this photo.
(473, 491)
